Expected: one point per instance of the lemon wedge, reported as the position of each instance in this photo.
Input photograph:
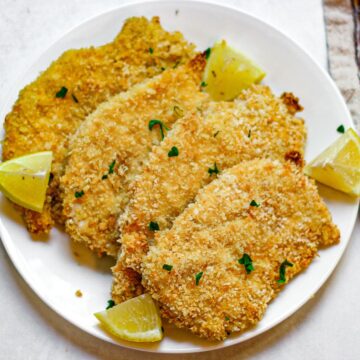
(136, 320)
(24, 180)
(338, 166)
(228, 72)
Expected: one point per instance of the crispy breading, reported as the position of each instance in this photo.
(257, 124)
(41, 121)
(290, 223)
(111, 146)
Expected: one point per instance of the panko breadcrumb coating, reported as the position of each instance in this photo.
(207, 289)
(111, 146)
(220, 135)
(41, 120)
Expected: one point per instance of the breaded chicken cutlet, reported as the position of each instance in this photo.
(111, 146)
(218, 136)
(49, 110)
(229, 253)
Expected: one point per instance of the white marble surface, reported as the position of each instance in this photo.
(327, 327)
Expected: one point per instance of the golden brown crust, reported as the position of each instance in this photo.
(39, 121)
(257, 124)
(214, 232)
(118, 131)
(291, 102)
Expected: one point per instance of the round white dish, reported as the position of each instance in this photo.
(55, 268)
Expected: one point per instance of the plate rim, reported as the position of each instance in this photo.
(26, 276)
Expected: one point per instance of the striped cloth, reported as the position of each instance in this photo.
(342, 19)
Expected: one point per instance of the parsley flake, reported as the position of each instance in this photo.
(283, 266)
(207, 53)
(203, 84)
(167, 267)
(215, 170)
(249, 133)
(162, 68)
(79, 194)
(176, 64)
(247, 262)
(154, 122)
(254, 203)
(74, 98)
(111, 167)
(227, 318)
(62, 92)
(173, 152)
(104, 177)
(111, 303)
(341, 129)
(198, 277)
(154, 226)
(151, 50)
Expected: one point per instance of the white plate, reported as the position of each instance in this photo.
(50, 267)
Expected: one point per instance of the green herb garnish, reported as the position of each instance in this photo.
(74, 98)
(154, 226)
(341, 129)
(176, 64)
(283, 266)
(154, 122)
(254, 203)
(198, 277)
(173, 152)
(215, 170)
(167, 267)
(62, 92)
(151, 50)
(104, 177)
(79, 194)
(207, 53)
(247, 262)
(203, 84)
(227, 318)
(111, 303)
(249, 133)
(162, 68)
(111, 167)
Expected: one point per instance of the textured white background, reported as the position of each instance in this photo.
(327, 327)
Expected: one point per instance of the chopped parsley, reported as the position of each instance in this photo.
(74, 98)
(247, 262)
(154, 226)
(104, 177)
(283, 266)
(176, 64)
(249, 133)
(341, 129)
(151, 50)
(154, 122)
(215, 170)
(198, 277)
(178, 111)
(216, 134)
(167, 267)
(203, 84)
(227, 318)
(110, 304)
(79, 194)
(207, 53)
(254, 203)
(162, 68)
(111, 167)
(173, 152)
(62, 92)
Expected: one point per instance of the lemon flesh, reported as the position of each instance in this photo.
(228, 72)
(136, 320)
(24, 180)
(339, 165)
